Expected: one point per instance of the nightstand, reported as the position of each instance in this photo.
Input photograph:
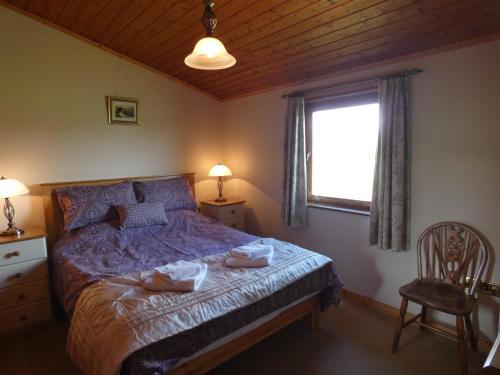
(229, 213)
(24, 283)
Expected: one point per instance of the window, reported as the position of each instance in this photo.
(342, 136)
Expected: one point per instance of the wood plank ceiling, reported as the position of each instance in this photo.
(275, 42)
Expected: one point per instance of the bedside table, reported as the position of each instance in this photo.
(24, 284)
(229, 213)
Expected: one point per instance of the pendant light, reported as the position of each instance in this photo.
(209, 53)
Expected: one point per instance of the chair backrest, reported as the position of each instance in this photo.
(454, 253)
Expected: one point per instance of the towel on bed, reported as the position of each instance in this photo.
(180, 276)
(251, 255)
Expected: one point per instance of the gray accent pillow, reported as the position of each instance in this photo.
(91, 204)
(141, 215)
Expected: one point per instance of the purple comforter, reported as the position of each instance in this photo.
(85, 256)
(98, 251)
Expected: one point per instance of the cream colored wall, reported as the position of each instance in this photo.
(54, 128)
(53, 116)
(455, 174)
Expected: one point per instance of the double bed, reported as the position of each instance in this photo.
(118, 327)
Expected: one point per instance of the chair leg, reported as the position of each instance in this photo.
(423, 316)
(462, 345)
(399, 325)
(470, 330)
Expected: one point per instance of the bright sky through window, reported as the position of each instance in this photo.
(344, 144)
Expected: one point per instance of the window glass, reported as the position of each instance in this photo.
(343, 148)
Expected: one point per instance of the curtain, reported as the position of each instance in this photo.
(294, 205)
(390, 207)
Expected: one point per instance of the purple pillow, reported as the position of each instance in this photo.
(174, 193)
(85, 205)
(141, 215)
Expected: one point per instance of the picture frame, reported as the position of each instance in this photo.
(122, 111)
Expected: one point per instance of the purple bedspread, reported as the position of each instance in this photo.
(98, 251)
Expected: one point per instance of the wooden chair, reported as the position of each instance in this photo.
(451, 259)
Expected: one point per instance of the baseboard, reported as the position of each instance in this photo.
(484, 345)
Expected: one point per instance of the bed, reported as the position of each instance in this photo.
(118, 327)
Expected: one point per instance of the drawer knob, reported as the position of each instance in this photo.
(233, 211)
(13, 254)
(24, 318)
(233, 225)
(15, 276)
(21, 297)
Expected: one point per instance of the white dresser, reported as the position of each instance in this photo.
(230, 213)
(24, 285)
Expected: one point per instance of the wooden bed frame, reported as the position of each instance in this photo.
(307, 309)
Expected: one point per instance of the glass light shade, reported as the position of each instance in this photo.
(12, 188)
(209, 54)
(219, 170)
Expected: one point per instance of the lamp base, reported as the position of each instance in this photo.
(12, 231)
(220, 186)
(8, 211)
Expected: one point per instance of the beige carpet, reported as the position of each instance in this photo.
(351, 340)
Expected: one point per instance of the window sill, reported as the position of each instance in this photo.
(340, 209)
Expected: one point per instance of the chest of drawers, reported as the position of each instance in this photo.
(230, 213)
(24, 285)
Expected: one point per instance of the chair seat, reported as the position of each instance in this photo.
(438, 295)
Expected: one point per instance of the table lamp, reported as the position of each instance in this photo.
(220, 170)
(11, 188)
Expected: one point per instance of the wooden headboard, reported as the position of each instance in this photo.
(53, 215)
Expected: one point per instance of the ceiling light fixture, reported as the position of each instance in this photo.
(209, 53)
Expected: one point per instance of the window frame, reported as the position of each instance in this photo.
(332, 102)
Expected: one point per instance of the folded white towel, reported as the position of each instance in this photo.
(252, 250)
(183, 280)
(251, 255)
(178, 270)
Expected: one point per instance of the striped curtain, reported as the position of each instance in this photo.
(294, 204)
(390, 207)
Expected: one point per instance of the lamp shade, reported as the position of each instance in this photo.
(209, 54)
(11, 188)
(219, 170)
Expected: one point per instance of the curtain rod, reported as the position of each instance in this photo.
(409, 72)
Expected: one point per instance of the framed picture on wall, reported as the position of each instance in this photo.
(122, 111)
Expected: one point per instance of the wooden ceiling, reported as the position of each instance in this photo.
(275, 42)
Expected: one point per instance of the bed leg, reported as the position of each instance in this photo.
(312, 319)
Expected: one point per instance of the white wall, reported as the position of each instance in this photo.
(455, 174)
(53, 116)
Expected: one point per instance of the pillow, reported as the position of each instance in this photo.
(137, 215)
(174, 193)
(85, 205)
